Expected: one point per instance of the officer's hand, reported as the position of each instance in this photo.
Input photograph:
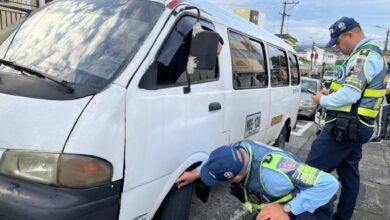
(317, 97)
(187, 177)
(324, 91)
(273, 212)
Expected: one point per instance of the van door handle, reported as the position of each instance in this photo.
(214, 106)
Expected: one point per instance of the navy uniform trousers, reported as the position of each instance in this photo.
(327, 154)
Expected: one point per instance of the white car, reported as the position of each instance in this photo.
(329, 75)
(307, 108)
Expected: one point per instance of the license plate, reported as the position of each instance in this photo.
(252, 125)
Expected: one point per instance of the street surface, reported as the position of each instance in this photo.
(374, 197)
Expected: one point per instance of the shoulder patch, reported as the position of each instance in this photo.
(364, 52)
(358, 68)
(287, 165)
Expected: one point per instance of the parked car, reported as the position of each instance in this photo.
(307, 108)
(329, 75)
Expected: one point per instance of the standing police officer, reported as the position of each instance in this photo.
(265, 177)
(351, 108)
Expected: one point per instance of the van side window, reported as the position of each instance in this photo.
(173, 57)
(295, 77)
(278, 66)
(249, 70)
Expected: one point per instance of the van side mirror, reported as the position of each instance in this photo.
(203, 49)
(203, 52)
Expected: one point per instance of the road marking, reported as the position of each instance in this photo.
(301, 127)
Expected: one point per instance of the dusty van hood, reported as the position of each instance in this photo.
(37, 124)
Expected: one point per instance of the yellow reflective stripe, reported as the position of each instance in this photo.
(354, 87)
(378, 103)
(329, 121)
(284, 199)
(368, 125)
(365, 68)
(249, 205)
(367, 112)
(335, 86)
(374, 93)
(346, 108)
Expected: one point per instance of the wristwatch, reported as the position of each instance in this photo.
(287, 208)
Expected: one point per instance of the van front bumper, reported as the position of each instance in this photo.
(24, 200)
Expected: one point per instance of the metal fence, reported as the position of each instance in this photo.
(13, 10)
(8, 17)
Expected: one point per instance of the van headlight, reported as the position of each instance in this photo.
(68, 170)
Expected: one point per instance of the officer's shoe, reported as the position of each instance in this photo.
(376, 140)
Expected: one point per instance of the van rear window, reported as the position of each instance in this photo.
(295, 76)
(248, 61)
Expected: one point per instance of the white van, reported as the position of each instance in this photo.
(97, 120)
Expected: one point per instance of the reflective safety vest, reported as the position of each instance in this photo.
(373, 92)
(262, 196)
(269, 163)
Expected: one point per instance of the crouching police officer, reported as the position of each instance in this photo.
(270, 180)
(351, 108)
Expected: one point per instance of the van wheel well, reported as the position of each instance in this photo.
(177, 203)
(289, 129)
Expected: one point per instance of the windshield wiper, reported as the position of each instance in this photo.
(30, 71)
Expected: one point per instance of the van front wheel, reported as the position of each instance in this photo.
(176, 205)
(281, 140)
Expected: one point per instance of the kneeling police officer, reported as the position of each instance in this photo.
(268, 180)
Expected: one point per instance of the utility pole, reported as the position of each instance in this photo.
(285, 14)
(311, 58)
(387, 40)
(387, 37)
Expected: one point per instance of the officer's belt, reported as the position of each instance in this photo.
(331, 117)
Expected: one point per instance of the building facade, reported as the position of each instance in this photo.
(13, 10)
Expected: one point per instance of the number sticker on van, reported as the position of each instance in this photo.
(252, 125)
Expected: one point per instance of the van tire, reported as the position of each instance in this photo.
(281, 140)
(176, 205)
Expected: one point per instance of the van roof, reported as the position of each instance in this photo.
(229, 19)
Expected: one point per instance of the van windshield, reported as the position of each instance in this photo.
(84, 42)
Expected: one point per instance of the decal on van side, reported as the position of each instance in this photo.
(276, 120)
(252, 125)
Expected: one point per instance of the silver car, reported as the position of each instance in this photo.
(307, 108)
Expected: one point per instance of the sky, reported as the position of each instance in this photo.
(310, 19)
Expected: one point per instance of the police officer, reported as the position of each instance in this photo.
(351, 108)
(268, 179)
